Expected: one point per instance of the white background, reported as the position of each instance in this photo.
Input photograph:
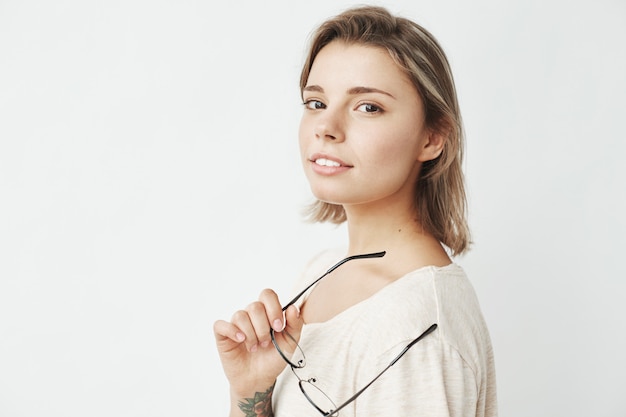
(150, 184)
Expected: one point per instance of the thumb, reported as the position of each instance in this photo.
(294, 322)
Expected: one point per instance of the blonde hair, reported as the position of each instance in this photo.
(440, 199)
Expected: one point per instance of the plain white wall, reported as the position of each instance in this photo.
(150, 184)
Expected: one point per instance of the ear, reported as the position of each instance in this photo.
(432, 146)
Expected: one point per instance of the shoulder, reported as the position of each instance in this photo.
(441, 295)
(456, 358)
(419, 297)
(460, 317)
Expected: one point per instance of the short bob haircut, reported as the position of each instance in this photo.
(440, 200)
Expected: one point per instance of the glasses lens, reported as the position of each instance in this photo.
(317, 397)
(289, 349)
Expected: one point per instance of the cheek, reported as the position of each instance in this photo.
(302, 140)
(397, 147)
(303, 133)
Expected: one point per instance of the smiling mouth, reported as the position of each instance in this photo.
(327, 162)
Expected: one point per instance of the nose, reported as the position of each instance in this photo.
(330, 126)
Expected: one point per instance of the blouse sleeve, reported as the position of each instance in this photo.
(431, 379)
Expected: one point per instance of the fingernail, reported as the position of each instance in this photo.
(278, 325)
(254, 348)
(240, 337)
(265, 344)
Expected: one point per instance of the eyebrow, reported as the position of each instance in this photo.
(352, 91)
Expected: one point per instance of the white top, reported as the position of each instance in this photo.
(448, 373)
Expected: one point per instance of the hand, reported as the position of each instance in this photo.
(249, 358)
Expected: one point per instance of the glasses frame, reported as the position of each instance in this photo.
(302, 363)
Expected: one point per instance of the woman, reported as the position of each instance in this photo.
(394, 328)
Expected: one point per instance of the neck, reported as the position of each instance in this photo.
(371, 232)
(398, 233)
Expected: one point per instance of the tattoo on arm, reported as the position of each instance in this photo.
(258, 406)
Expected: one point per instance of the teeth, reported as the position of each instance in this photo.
(327, 162)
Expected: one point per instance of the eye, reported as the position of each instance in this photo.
(314, 104)
(369, 108)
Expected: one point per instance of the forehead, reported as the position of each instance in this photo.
(351, 64)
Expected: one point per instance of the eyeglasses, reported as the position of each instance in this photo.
(297, 360)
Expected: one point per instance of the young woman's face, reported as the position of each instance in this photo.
(362, 134)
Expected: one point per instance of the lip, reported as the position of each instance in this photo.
(317, 156)
(328, 170)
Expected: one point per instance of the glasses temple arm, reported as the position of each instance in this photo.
(331, 269)
(420, 337)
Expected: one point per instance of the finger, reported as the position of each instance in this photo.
(273, 309)
(260, 322)
(224, 330)
(228, 338)
(243, 321)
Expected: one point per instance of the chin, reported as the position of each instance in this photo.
(327, 195)
(325, 199)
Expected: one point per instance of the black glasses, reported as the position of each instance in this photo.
(297, 360)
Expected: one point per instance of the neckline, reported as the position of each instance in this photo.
(389, 287)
